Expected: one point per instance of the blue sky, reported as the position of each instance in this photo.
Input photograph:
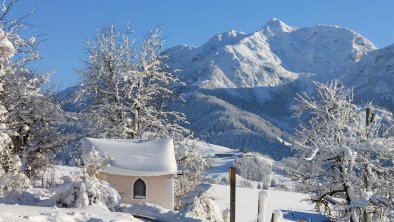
(67, 24)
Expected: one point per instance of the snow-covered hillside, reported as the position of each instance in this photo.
(373, 78)
(219, 122)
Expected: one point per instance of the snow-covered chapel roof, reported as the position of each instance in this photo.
(135, 157)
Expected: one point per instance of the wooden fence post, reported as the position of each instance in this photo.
(232, 174)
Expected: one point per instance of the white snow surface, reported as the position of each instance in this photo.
(135, 157)
(247, 199)
(19, 213)
(208, 149)
(290, 204)
(156, 212)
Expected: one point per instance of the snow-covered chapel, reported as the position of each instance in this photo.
(140, 170)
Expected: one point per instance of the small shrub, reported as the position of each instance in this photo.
(202, 207)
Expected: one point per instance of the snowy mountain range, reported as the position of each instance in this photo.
(272, 56)
(240, 87)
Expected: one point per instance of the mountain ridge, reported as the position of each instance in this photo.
(240, 87)
(274, 55)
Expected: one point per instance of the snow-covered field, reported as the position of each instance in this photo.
(16, 213)
(291, 204)
(247, 202)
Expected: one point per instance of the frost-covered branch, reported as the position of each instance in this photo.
(128, 92)
(344, 160)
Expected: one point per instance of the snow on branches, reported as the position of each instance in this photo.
(11, 179)
(28, 116)
(95, 162)
(129, 91)
(192, 167)
(345, 161)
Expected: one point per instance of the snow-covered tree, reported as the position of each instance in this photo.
(192, 167)
(345, 161)
(153, 93)
(32, 120)
(128, 92)
(35, 122)
(105, 84)
(11, 179)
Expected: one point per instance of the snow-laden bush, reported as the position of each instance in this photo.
(254, 168)
(13, 181)
(56, 175)
(11, 178)
(199, 206)
(204, 208)
(259, 186)
(89, 191)
(94, 162)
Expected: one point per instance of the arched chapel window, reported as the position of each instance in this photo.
(139, 189)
